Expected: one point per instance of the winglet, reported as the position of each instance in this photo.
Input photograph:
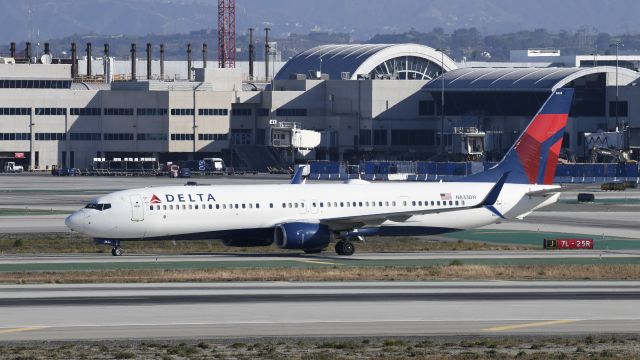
(298, 177)
(491, 198)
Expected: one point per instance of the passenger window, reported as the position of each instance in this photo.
(450, 202)
(184, 207)
(328, 203)
(456, 203)
(354, 204)
(432, 203)
(413, 203)
(301, 205)
(290, 206)
(243, 206)
(335, 204)
(404, 203)
(271, 205)
(224, 206)
(438, 203)
(257, 206)
(341, 204)
(462, 202)
(196, 207)
(419, 203)
(190, 207)
(321, 204)
(284, 205)
(236, 206)
(296, 205)
(360, 204)
(151, 207)
(157, 207)
(164, 207)
(170, 207)
(393, 203)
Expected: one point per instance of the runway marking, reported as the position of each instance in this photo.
(15, 330)
(530, 325)
(319, 262)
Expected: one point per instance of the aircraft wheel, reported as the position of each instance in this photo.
(117, 251)
(348, 248)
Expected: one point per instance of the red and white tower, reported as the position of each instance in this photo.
(226, 33)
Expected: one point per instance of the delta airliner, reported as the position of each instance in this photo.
(310, 217)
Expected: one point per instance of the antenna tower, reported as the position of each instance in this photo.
(227, 33)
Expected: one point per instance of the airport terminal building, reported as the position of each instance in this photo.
(364, 101)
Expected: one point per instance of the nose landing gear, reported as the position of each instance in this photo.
(116, 250)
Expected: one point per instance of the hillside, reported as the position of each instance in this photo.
(360, 18)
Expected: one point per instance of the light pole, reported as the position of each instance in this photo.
(442, 51)
(617, 44)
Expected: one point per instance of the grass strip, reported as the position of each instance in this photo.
(379, 348)
(455, 271)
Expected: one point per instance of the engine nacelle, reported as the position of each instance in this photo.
(302, 236)
(247, 242)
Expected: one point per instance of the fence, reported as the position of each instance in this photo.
(436, 171)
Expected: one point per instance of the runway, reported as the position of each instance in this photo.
(228, 310)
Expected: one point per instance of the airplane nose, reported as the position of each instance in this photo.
(75, 221)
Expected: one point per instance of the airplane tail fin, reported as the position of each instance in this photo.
(533, 157)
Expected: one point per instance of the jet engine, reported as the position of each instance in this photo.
(302, 236)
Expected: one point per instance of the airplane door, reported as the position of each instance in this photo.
(137, 210)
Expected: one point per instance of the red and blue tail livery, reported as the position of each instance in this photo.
(534, 156)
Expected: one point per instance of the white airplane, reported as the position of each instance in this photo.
(309, 217)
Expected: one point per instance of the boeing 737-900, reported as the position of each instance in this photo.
(310, 217)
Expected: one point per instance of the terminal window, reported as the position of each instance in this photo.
(85, 136)
(213, 112)
(35, 84)
(241, 112)
(118, 111)
(212, 137)
(151, 112)
(118, 136)
(291, 112)
(152, 137)
(182, 137)
(182, 112)
(86, 111)
(50, 136)
(51, 111)
(14, 136)
(15, 111)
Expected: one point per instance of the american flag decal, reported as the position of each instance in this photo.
(445, 196)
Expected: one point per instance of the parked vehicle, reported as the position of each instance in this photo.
(11, 167)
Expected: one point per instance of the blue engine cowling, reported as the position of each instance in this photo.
(302, 236)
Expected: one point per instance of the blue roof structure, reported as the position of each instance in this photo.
(518, 79)
(365, 59)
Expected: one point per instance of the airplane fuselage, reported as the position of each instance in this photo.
(228, 211)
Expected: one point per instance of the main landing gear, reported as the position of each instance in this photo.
(117, 251)
(345, 247)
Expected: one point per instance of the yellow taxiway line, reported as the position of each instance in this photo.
(530, 325)
(15, 330)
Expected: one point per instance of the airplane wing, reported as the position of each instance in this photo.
(356, 221)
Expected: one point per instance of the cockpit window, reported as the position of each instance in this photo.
(99, 207)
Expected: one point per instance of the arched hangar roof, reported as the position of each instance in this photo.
(522, 79)
(365, 59)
